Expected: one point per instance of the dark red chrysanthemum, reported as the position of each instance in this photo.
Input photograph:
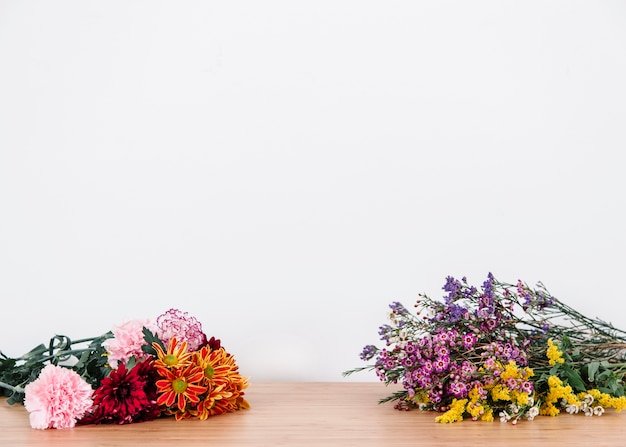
(147, 372)
(125, 396)
(213, 343)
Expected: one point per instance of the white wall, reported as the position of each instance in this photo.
(283, 170)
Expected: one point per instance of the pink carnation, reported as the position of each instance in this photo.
(57, 398)
(175, 323)
(127, 341)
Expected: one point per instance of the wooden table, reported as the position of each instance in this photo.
(323, 415)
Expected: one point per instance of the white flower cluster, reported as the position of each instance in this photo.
(515, 412)
(586, 406)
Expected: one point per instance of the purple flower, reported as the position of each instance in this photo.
(455, 313)
(441, 363)
(408, 362)
(452, 286)
(183, 327)
(467, 368)
(468, 340)
(398, 308)
(458, 389)
(384, 331)
(368, 352)
(527, 386)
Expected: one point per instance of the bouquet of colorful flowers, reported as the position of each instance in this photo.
(138, 371)
(504, 350)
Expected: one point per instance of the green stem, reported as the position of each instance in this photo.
(61, 354)
(15, 389)
(84, 340)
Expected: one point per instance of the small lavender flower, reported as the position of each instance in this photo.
(398, 308)
(385, 332)
(368, 352)
(455, 313)
(452, 286)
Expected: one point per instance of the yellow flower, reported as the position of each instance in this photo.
(599, 397)
(510, 371)
(476, 410)
(556, 391)
(619, 403)
(554, 382)
(454, 414)
(474, 394)
(554, 354)
(520, 398)
(548, 409)
(488, 415)
(500, 392)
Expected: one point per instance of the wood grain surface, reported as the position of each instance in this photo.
(323, 415)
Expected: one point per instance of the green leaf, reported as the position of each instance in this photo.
(150, 338)
(592, 369)
(574, 379)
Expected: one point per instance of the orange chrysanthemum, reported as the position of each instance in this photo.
(179, 387)
(175, 357)
(215, 396)
(223, 380)
(217, 365)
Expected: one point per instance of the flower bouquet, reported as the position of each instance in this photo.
(504, 350)
(138, 371)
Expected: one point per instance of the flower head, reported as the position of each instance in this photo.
(179, 387)
(125, 396)
(57, 398)
(127, 341)
(176, 355)
(224, 383)
(181, 325)
(554, 354)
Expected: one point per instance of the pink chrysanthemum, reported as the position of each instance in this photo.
(179, 325)
(57, 398)
(127, 342)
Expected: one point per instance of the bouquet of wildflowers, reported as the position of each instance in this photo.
(139, 371)
(504, 350)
